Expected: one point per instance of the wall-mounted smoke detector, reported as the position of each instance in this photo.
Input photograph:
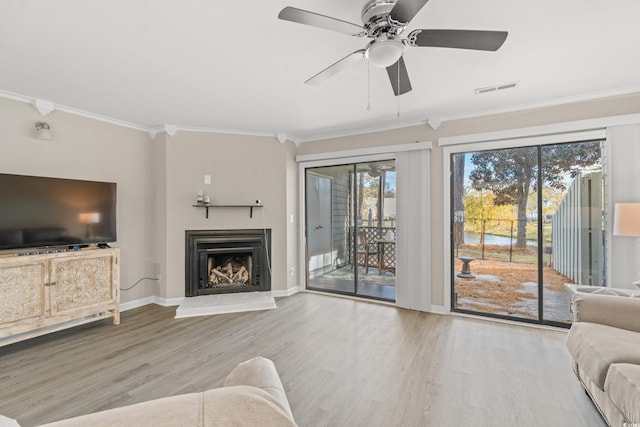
(496, 88)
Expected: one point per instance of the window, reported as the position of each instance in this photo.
(525, 221)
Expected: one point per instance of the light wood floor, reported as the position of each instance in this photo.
(342, 362)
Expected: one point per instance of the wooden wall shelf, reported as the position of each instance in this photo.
(222, 205)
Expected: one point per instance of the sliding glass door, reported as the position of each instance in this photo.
(525, 221)
(350, 229)
(328, 221)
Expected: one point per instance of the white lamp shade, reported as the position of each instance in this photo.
(385, 53)
(626, 220)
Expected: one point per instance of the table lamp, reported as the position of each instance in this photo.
(626, 222)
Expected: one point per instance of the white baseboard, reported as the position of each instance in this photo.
(130, 305)
(170, 302)
(438, 309)
(165, 302)
(285, 293)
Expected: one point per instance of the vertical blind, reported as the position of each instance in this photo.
(413, 244)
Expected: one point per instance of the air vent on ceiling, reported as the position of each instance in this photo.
(496, 88)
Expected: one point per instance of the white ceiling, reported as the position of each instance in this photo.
(235, 66)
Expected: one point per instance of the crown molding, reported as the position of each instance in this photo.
(591, 96)
(581, 130)
(369, 151)
(362, 131)
(172, 130)
(434, 122)
(42, 106)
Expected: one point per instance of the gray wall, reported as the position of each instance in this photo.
(243, 169)
(157, 184)
(158, 179)
(88, 149)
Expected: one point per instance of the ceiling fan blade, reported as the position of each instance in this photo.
(399, 77)
(316, 20)
(405, 10)
(336, 67)
(458, 39)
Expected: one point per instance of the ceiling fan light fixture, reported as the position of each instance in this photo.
(383, 53)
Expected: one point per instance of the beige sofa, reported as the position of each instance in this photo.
(252, 395)
(604, 342)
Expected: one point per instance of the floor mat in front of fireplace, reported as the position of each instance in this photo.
(208, 305)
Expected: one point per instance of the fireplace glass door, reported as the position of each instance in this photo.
(226, 269)
(227, 261)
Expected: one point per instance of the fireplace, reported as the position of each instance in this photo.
(225, 261)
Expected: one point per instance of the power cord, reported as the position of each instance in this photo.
(267, 242)
(135, 284)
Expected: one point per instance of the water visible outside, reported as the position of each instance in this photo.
(492, 239)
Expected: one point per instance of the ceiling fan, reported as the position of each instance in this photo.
(383, 22)
(376, 169)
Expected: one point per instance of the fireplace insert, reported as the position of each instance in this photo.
(224, 261)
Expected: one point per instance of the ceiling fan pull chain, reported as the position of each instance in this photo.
(368, 86)
(398, 96)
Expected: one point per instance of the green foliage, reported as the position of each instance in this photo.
(479, 206)
(508, 174)
(512, 174)
(567, 159)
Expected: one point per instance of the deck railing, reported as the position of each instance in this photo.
(372, 236)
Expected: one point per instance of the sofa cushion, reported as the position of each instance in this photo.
(226, 406)
(620, 312)
(182, 410)
(623, 387)
(243, 406)
(261, 373)
(595, 347)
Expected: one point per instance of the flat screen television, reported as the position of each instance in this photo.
(43, 212)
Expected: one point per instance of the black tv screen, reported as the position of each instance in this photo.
(43, 212)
